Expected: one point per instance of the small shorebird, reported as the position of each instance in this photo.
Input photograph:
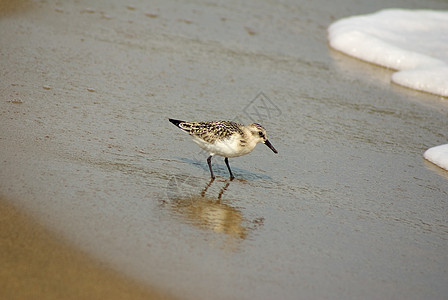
(225, 138)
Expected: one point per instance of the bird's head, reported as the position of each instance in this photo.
(259, 135)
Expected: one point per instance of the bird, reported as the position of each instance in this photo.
(225, 138)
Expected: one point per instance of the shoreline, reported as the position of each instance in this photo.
(37, 264)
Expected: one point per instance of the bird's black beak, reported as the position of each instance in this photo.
(267, 143)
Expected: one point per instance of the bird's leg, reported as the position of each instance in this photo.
(228, 167)
(209, 161)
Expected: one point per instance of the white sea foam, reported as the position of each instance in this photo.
(438, 155)
(414, 42)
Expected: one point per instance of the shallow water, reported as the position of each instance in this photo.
(348, 208)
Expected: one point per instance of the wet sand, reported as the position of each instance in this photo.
(347, 209)
(38, 264)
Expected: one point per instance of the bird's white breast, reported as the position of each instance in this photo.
(227, 148)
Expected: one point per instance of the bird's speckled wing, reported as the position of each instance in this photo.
(213, 130)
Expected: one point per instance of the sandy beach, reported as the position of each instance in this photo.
(37, 264)
(103, 198)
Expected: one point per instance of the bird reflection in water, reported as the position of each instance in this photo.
(206, 212)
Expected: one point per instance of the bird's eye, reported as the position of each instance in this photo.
(260, 133)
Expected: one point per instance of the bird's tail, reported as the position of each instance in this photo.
(176, 122)
(185, 126)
